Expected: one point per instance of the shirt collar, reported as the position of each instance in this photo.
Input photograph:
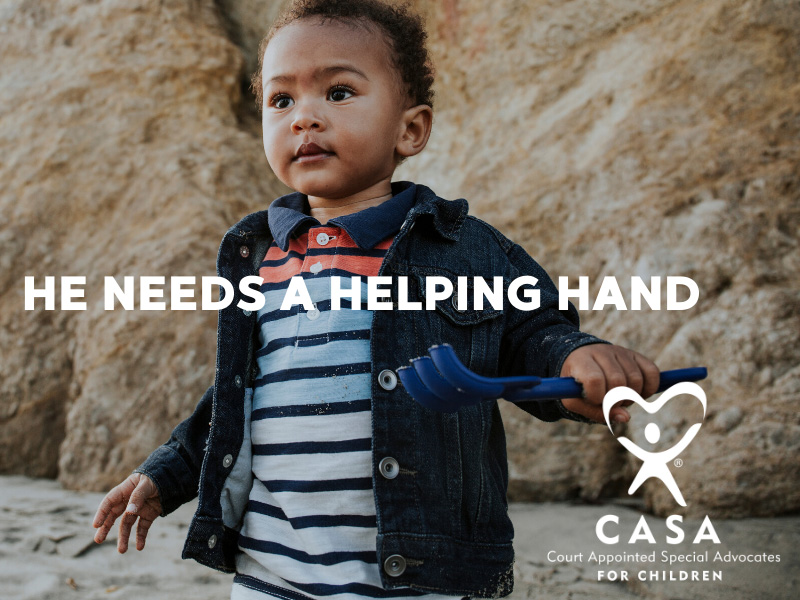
(288, 216)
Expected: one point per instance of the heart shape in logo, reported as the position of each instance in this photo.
(621, 393)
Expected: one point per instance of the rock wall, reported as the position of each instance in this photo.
(609, 138)
(123, 154)
(644, 138)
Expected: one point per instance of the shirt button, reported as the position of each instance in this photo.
(395, 565)
(387, 379)
(212, 541)
(247, 313)
(323, 238)
(313, 314)
(244, 251)
(389, 467)
(238, 381)
(227, 461)
(454, 302)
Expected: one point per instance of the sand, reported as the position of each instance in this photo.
(47, 553)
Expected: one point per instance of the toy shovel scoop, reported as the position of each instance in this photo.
(442, 383)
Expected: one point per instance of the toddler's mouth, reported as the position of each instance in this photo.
(311, 152)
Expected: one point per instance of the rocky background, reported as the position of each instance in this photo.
(657, 137)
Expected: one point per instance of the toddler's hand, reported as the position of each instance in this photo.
(600, 367)
(136, 497)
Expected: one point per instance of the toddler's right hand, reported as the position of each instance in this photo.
(136, 497)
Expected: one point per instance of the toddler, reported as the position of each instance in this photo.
(318, 475)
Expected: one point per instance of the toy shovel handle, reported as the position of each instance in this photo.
(567, 387)
(670, 378)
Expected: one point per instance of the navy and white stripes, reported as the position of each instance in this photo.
(310, 528)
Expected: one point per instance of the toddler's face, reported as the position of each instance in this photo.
(333, 110)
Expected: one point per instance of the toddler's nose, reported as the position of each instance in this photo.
(305, 119)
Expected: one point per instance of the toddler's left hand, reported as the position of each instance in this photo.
(600, 367)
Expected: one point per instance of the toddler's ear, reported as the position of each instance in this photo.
(415, 130)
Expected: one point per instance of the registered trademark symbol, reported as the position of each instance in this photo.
(678, 462)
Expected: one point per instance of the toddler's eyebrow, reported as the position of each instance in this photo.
(321, 73)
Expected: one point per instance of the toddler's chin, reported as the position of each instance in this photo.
(318, 190)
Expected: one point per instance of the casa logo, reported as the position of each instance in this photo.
(655, 464)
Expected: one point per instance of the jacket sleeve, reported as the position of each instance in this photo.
(175, 466)
(537, 342)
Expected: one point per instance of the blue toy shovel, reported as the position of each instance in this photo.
(442, 383)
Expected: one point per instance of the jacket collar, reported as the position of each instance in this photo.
(446, 216)
(288, 217)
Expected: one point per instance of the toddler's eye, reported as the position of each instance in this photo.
(280, 101)
(339, 93)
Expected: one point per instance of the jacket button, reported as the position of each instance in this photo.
(387, 379)
(395, 565)
(212, 541)
(244, 251)
(389, 467)
(227, 461)
(313, 314)
(454, 302)
(247, 313)
(238, 381)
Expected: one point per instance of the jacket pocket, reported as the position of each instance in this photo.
(464, 285)
(474, 333)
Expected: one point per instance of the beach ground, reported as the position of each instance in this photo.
(47, 553)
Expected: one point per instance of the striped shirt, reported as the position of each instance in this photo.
(310, 527)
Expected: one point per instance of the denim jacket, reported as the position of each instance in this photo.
(442, 515)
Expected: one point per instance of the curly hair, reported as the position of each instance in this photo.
(403, 31)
